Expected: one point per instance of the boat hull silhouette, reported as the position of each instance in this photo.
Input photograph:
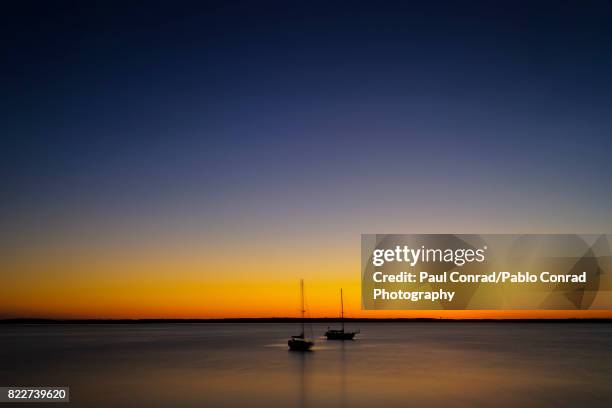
(339, 335)
(299, 344)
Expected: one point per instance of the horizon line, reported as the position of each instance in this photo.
(35, 320)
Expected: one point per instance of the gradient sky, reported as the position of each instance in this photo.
(195, 160)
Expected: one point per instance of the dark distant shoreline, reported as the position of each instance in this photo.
(293, 320)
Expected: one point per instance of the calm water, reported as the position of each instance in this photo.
(391, 364)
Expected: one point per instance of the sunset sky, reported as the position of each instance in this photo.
(177, 160)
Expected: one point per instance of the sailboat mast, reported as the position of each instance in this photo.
(302, 292)
(342, 309)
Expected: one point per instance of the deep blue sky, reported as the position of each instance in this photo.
(298, 117)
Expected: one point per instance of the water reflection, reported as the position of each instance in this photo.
(343, 366)
(300, 358)
(225, 365)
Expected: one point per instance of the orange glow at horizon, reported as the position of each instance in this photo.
(125, 299)
(75, 282)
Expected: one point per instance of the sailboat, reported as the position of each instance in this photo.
(300, 342)
(335, 334)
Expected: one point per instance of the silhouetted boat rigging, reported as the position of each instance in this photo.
(300, 342)
(334, 334)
